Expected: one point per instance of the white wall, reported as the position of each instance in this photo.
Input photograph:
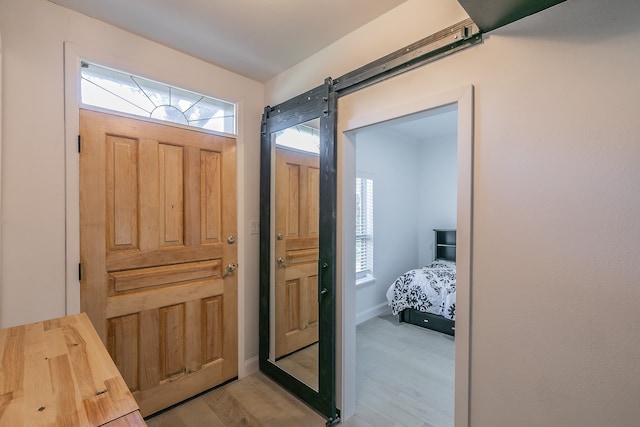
(554, 341)
(1, 133)
(393, 164)
(407, 23)
(438, 189)
(33, 150)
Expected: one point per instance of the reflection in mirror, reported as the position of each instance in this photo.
(294, 249)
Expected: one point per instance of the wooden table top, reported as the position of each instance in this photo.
(58, 373)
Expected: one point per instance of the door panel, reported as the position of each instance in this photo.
(122, 193)
(123, 347)
(171, 174)
(155, 203)
(210, 181)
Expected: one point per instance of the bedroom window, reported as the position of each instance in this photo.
(118, 91)
(364, 228)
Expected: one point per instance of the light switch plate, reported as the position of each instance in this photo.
(254, 227)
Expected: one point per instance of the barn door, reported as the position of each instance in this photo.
(157, 243)
(298, 245)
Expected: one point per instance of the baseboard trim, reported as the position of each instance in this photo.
(250, 366)
(372, 312)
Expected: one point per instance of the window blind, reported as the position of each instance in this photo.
(364, 226)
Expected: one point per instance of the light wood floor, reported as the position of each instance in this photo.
(405, 375)
(404, 378)
(254, 401)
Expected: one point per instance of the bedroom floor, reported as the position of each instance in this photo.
(404, 378)
(405, 375)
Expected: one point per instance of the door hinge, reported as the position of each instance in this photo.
(80, 272)
(79, 145)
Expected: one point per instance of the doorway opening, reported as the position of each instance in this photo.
(364, 111)
(405, 373)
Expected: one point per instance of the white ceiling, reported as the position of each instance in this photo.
(259, 39)
(427, 125)
(255, 38)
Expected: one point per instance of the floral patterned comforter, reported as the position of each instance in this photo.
(430, 289)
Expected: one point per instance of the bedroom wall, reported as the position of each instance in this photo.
(554, 341)
(438, 190)
(33, 151)
(414, 192)
(393, 164)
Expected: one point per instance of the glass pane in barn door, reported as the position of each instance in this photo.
(297, 247)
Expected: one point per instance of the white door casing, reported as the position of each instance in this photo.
(357, 111)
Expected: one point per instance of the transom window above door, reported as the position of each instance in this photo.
(304, 137)
(118, 91)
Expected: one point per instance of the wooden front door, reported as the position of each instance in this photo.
(296, 250)
(157, 220)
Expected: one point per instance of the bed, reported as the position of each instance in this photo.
(426, 296)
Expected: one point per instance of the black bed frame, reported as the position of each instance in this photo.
(445, 248)
(429, 321)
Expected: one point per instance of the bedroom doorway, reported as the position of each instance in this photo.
(377, 108)
(404, 373)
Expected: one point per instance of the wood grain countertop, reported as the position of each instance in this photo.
(58, 373)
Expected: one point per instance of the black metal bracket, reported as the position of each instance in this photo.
(333, 421)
